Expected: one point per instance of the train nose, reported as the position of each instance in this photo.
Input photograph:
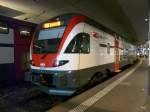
(47, 61)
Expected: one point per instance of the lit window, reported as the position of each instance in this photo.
(25, 31)
(3, 28)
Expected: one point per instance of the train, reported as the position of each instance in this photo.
(70, 51)
(15, 39)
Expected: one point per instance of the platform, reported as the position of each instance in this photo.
(125, 92)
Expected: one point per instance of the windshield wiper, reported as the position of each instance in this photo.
(35, 45)
(39, 46)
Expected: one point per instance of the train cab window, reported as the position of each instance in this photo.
(25, 31)
(4, 28)
(108, 48)
(80, 44)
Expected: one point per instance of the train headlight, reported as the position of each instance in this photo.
(42, 64)
(59, 63)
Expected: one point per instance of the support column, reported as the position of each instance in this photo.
(149, 47)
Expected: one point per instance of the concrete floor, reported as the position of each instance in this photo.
(129, 96)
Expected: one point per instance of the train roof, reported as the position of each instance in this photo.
(68, 16)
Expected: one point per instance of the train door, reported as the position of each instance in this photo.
(117, 56)
(84, 57)
(25, 38)
(22, 42)
(72, 52)
(84, 51)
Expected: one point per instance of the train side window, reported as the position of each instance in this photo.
(108, 48)
(25, 31)
(80, 44)
(4, 28)
(85, 43)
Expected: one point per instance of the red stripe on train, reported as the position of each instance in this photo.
(73, 22)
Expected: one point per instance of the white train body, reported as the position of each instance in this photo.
(83, 51)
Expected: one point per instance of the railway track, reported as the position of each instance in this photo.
(26, 98)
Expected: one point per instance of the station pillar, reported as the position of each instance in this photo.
(149, 47)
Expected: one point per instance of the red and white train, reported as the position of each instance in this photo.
(70, 50)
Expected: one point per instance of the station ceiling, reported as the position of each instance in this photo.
(126, 17)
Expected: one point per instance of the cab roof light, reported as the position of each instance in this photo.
(52, 24)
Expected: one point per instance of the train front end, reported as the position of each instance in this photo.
(51, 69)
